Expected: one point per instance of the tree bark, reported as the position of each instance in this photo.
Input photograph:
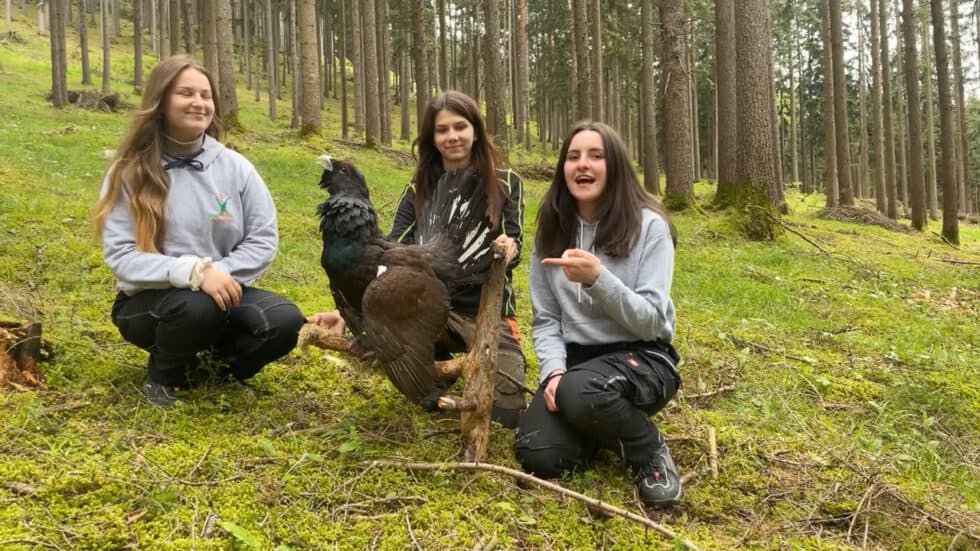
(82, 43)
(877, 139)
(963, 149)
(210, 27)
(845, 192)
(187, 10)
(891, 206)
(580, 34)
(930, 124)
(226, 65)
(59, 58)
(174, 27)
(270, 57)
(758, 187)
(422, 87)
(138, 44)
(648, 105)
(596, 69)
(494, 81)
(916, 177)
(372, 104)
(310, 113)
(357, 52)
(679, 192)
(951, 230)
(106, 57)
(523, 78)
(725, 59)
(443, 46)
(829, 122)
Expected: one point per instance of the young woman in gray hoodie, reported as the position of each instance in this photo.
(603, 319)
(187, 226)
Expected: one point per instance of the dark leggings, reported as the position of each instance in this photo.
(173, 325)
(603, 402)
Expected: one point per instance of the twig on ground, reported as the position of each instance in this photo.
(762, 348)
(791, 230)
(35, 543)
(946, 241)
(197, 465)
(955, 261)
(713, 453)
(857, 511)
(539, 482)
(412, 532)
(58, 408)
(709, 394)
(895, 492)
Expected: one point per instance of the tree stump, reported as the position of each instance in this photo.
(20, 354)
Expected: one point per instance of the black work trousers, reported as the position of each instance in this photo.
(173, 325)
(604, 401)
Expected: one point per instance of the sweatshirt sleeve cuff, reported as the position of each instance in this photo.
(180, 272)
(546, 368)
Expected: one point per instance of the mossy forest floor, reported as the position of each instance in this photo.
(842, 384)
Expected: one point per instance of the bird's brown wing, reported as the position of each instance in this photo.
(404, 310)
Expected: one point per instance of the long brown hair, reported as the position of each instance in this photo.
(136, 165)
(620, 205)
(485, 158)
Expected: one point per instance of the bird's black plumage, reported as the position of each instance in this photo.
(395, 297)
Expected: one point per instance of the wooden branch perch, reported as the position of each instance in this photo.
(480, 363)
(518, 475)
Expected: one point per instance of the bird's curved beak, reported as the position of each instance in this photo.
(326, 162)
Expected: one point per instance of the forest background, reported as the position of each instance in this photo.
(827, 292)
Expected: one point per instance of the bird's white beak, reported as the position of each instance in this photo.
(326, 162)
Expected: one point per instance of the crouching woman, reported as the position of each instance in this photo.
(187, 226)
(603, 319)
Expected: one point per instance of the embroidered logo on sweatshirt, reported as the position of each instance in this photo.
(222, 215)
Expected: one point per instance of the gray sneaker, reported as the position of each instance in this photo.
(159, 395)
(658, 482)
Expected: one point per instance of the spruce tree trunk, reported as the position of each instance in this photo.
(106, 58)
(963, 150)
(187, 10)
(891, 207)
(930, 125)
(679, 193)
(845, 192)
(523, 84)
(725, 60)
(947, 120)
(877, 140)
(756, 166)
(372, 103)
(583, 88)
(82, 43)
(648, 105)
(357, 51)
(829, 121)
(494, 82)
(596, 69)
(270, 58)
(174, 35)
(916, 175)
(310, 113)
(138, 44)
(226, 65)
(422, 87)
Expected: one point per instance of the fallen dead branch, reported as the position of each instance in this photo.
(762, 348)
(524, 477)
(713, 453)
(955, 261)
(709, 394)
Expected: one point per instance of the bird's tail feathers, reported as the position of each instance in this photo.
(455, 223)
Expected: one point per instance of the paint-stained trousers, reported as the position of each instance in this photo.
(173, 325)
(604, 400)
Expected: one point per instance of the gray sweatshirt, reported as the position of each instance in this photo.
(630, 301)
(223, 211)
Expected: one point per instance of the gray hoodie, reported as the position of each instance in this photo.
(630, 301)
(223, 211)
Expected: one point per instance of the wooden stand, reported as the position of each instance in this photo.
(478, 367)
(20, 354)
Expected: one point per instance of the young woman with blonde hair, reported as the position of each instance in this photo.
(187, 226)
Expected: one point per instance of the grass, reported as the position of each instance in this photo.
(852, 416)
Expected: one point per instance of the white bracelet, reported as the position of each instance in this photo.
(197, 273)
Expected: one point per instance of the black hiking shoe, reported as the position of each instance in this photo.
(658, 482)
(160, 395)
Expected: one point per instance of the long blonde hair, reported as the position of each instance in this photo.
(136, 164)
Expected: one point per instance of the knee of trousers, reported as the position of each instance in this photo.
(584, 398)
(547, 462)
(284, 326)
(195, 311)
